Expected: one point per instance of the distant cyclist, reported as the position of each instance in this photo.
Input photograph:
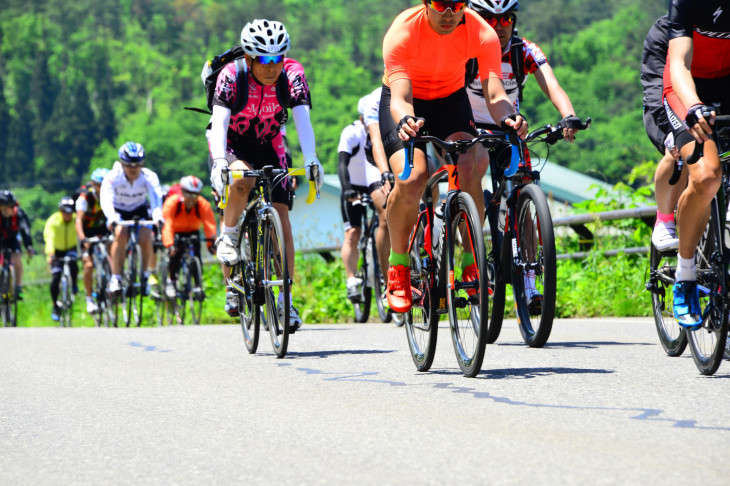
(184, 214)
(60, 236)
(130, 191)
(14, 223)
(90, 222)
(251, 138)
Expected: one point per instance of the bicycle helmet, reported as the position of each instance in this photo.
(98, 175)
(263, 37)
(7, 198)
(131, 153)
(362, 105)
(191, 184)
(495, 7)
(66, 204)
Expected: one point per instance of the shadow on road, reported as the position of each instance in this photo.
(583, 345)
(525, 372)
(327, 353)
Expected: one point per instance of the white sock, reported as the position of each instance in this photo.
(90, 299)
(686, 270)
(117, 277)
(230, 229)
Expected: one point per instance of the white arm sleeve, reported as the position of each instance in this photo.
(154, 191)
(218, 131)
(106, 200)
(305, 132)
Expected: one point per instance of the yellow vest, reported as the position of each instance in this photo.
(58, 234)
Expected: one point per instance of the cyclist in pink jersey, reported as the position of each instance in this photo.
(425, 51)
(252, 139)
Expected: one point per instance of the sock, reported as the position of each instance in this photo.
(399, 259)
(686, 271)
(467, 259)
(146, 274)
(664, 218)
(230, 229)
(117, 277)
(90, 299)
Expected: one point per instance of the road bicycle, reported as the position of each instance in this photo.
(131, 297)
(368, 267)
(66, 296)
(518, 214)
(708, 344)
(190, 282)
(165, 305)
(104, 315)
(8, 300)
(439, 246)
(261, 277)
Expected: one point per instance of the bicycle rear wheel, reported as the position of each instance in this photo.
(195, 295)
(276, 283)
(468, 301)
(245, 274)
(385, 314)
(422, 320)
(708, 343)
(534, 275)
(9, 309)
(672, 336)
(496, 281)
(158, 293)
(362, 304)
(183, 288)
(66, 297)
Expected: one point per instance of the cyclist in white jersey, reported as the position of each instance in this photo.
(130, 191)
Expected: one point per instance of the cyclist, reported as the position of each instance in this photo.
(130, 191)
(184, 214)
(252, 138)
(657, 126)
(697, 76)
(501, 15)
(90, 222)
(60, 237)
(14, 222)
(425, 51)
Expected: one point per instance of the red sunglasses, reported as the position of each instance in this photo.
(504, 21)
(441, 7)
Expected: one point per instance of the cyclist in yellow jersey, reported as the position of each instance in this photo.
(60, 237)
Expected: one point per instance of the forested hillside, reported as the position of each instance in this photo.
(79, 78)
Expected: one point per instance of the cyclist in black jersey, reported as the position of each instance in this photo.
(696, 84)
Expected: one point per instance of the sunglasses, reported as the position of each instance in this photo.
(504, 21)
(269, 59)
(189, 194)
(441, 7)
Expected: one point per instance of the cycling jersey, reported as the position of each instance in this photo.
(533, 59)
(88, 202)
(356, 167)
(58, 234)
(119, 194)
(13, 226)
(372, 107)
(179, 220)
(435, 63)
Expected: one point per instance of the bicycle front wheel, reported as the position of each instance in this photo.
(672, 336)
(422, 321)
(245, 273)
(9, 309)
(467, 290)
(66, 298)
(158, 293)
(195, 296)
(277, 298)
(385, 314)
(708, 343)
(534, 273)
(362, 304)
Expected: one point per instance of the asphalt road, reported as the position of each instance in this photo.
(600, 404)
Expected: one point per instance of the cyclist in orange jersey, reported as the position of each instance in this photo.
(425, 52)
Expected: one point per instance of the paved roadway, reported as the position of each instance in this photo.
(600, 404)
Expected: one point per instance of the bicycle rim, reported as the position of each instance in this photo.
(66, 300)
(196, 299)
(496, 283)
(466, 312)
(672, 336)
(276, 282)
(708, 343)
(534, 274)
(248, 311)
(422, 320)
(181, 294)
(139, 291)
(384, 312)
(362, 307)
(12, 304)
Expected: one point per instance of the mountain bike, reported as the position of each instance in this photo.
(190, 281)
(131, 296)
(708, 344)
(66, 297)
(438, 249)
(102, 273)
(8, 301)
(521, 235)
(261, 277)
(368, 267)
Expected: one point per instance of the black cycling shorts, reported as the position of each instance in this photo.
(444, 117)
(258, 156)
(657, 127)
(12, 244)
(353, 214)
(141, 212)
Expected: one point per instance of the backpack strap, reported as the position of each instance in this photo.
(282, 90)
(241, 86)
(517, 59)
(472, 69)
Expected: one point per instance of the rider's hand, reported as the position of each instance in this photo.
(314, 170)
(157, 217)
(172, 251)
(408, 127)
(216, 175)
(350, 195)
(699, 118)
(386, 183)
(211, 248)
(568, 131)
(518, 123)
(31, 251)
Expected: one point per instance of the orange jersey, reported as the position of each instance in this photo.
(179, 220)
(434, 63)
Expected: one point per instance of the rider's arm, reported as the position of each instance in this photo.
(552, 89)
(381, 161)
(305, 132)
(106, 200)
(679, 58)
(49, 234)
(218, 131)
(81, 207)
(24, 229)
(154, 192)
(206, 214)
(343, 160)
(168, 213)
(499, 104)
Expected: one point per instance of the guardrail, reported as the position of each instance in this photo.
(576, 222)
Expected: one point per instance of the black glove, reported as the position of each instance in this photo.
(349, 194)
(387, 177)
(512, 117)
(695, 111)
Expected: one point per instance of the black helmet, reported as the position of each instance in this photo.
(66, 205)
(7, 198)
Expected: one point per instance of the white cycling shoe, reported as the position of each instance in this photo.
(226, 250)
(664, 236)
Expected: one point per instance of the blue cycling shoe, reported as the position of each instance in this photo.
(687, 308)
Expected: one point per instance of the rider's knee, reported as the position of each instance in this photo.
(352, 236)
(707, 181)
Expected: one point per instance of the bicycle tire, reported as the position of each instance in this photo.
(129, 282)
(422, 320)
(12, 298)
(138, 288)
(160, 295)
(66, 297)
(398, 318)
(385, 314)
(4, 297)
(274, 258)
(672, 336)
(534, 224)
(362, 306)
(466, 312)
(495, 262)
(249, 314)
(96, 289)
(181, 293)
(195, 300)
(707, 344)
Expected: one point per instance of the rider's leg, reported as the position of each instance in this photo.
(88, 273)
(405, 199)
(17, 260)
(117, 249)
(382, 237)
(148, 253)
(349, 251)
(237, 199)
(665, 234)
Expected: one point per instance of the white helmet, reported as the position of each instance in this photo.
(264, 38)
(362, 105)
(191, 184)
(494, 7)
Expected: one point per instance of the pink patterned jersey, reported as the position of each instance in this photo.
(260, 121)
